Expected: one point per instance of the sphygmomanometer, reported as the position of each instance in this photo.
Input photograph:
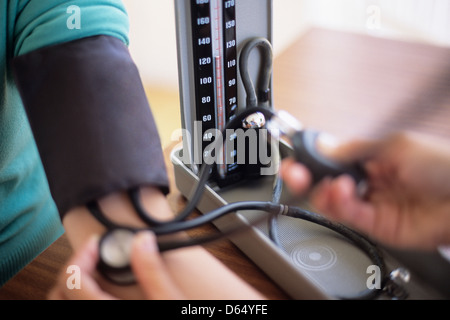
(114, 246)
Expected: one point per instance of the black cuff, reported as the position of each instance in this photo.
(91, 120)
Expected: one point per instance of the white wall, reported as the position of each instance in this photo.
(415, 20)
(153, 42)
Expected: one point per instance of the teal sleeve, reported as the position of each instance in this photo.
(45, 23)
(29, 220)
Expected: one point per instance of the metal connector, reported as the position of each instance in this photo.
(395, 287)
(254, 121)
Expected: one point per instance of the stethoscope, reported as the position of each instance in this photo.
(115, 244)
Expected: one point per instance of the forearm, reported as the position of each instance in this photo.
(199, 274)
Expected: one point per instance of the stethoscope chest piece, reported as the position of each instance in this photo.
(114, 256)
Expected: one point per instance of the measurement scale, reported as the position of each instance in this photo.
(215, 68)
(210, 34)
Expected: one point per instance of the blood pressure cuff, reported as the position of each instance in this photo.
(91, 120)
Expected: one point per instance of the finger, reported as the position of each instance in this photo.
(320, 194)
(86, 261)
(296, 176)
(354, 151)
(345, 206)
(150, 271)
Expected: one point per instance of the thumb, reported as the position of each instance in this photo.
(150, 270)
(347, 151)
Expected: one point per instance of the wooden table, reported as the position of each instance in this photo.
(347, 84)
